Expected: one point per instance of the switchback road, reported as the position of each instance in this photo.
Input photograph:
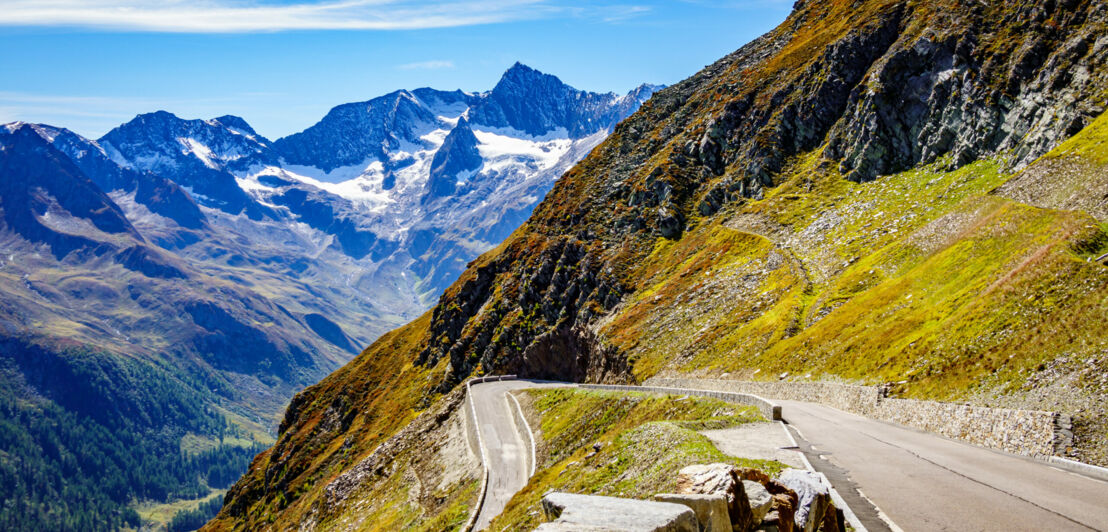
(509, 456)
(920, 481)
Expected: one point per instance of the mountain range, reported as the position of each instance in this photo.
(904, 193)
(236, 269)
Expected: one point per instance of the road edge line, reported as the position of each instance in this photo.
(836, 498)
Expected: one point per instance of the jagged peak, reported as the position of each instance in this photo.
(520, 74)
(236, 124)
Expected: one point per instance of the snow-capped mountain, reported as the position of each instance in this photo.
(186, 277)
(383, 181)
(260, 266)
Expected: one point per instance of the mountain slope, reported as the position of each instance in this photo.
(823, 202)
(168, 287)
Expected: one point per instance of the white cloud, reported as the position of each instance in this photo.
(427, 65)
(240, 16)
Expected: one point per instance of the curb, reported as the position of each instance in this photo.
(530, 434)
(1081, 468)
(484, 461)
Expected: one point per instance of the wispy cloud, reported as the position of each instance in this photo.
(243, 16)
(95, 115)
(427, 65)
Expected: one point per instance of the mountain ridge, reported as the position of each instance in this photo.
(185, 259)
(778, 214)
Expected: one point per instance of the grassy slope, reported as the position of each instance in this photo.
(813, 279)
(339, 422)
(924, 277)
(645, 439)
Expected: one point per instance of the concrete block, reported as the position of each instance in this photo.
(613, 513)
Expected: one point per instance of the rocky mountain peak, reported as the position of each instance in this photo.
(239, 125)
(45, 198)
(457, 154)
(198, 154)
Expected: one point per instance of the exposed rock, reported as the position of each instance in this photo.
(756, 475)
(760, 500)
(711, 510)
(782, 513)
(592, 512)
(815, 498)
(720, 479)
(457, 154)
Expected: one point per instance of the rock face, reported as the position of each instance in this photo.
(559, 105)
(198, 154)
(457, 154)
(591, 512)
(45, 198)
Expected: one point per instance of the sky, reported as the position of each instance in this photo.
(90, 65)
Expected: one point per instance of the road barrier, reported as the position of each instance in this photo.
(769, 409)
(1025, 432)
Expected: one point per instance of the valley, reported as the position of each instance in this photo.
(199, 261)
(847, 199)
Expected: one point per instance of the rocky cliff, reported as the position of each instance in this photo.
(829, 201)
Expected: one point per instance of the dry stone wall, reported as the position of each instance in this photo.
(1025, 432)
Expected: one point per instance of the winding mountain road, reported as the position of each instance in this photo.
(508, 454)
(926, 482)
(894, 478)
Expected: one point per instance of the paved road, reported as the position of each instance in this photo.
(509, 458)
(926, 482)
(918, 481)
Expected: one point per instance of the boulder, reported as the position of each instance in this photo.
(571, 511)
(781, 514)
(760, 500)
(756, 475)
(814, 497)
(719, 479)
(711, 510)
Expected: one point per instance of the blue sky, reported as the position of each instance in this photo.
(90, 65)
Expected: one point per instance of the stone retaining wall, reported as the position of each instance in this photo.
(769, 409)
(1025, 432)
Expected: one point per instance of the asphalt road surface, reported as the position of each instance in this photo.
(894, 478)
(926, 482)
(509, 457)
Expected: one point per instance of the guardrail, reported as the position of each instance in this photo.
(769, 409)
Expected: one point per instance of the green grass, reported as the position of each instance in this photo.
(644, 439)
(160, 513)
